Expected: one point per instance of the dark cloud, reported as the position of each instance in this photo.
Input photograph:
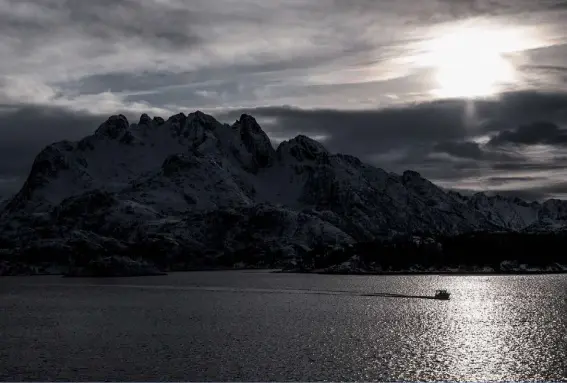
(475, 151)
(525, 194)
(367, 132)
(542, 133)
(558, 5)
(557, 163)
(522, 107)
(502, 180)
(426, 124)
(461, 149)
(449, 10)
(536, 193)
(25, 131)
(109, 20)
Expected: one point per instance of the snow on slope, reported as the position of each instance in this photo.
(199, 184)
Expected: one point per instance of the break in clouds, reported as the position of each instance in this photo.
(469, 93)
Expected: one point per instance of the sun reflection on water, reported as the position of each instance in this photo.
(492, 329)
(475, 331)
(489, 333)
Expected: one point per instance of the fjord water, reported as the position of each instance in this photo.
(255, 325)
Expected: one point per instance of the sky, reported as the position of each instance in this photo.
(470, 93)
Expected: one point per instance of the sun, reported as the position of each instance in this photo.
(471, 63)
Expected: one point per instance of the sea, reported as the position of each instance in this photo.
(264, 326)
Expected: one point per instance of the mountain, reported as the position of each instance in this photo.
(191, 192)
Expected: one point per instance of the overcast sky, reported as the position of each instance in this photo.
(471, 93)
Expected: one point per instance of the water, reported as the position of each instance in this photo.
(260, 326)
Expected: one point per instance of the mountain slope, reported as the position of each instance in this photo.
(196, 191)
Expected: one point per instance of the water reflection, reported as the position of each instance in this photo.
(273, 327)
(491, 329)
(474, 332)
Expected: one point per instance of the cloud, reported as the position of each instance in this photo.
(352, 72)
(156, 46)
(536, 193)
(368, 131)
(243, 53)
(534, 166)
(154, 22)
(542, 133)
(465, 149)
(503, 180)
(446, 123)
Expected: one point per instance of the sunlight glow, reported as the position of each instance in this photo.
(471, 62)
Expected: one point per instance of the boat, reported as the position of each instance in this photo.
(442, 294)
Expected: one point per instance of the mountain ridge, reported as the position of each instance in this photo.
(203, 189)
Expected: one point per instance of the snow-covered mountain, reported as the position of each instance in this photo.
(195, 190)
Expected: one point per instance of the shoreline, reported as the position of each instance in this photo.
(273, 270)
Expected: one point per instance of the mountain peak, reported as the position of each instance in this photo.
(409, 174)
(255, 140)
(145, 120)
(177, 117)
(301, 148)
(249, 122)
(114, 127)
(200, 114)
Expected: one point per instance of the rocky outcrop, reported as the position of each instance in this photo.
(114, 267)
(255, 141)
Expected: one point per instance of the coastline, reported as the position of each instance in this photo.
(20, 269)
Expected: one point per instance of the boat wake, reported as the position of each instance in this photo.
(221, 289)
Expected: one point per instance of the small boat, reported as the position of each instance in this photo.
(442, 294)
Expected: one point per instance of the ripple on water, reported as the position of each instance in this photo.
(261, 326)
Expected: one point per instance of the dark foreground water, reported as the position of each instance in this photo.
(262, 326)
